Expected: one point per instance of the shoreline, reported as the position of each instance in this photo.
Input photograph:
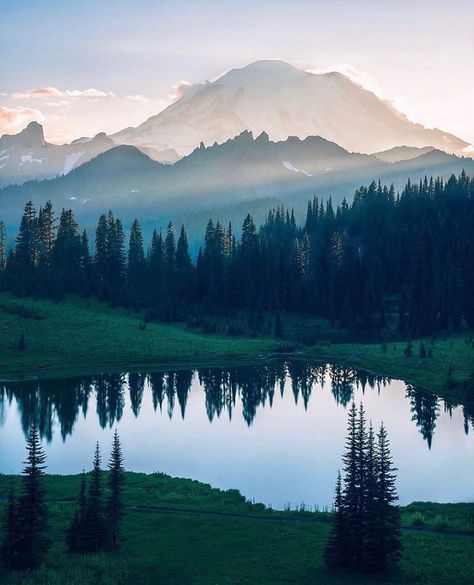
(85, 337)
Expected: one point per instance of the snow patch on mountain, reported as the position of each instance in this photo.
(28, 158)
(290, 167)
(70, 160)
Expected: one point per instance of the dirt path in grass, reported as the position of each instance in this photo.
(281, 519)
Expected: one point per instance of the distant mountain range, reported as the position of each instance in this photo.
(245, 174)
(278, 98)
(266, 96)
(26, 155)
(399, 153)
(266, 134)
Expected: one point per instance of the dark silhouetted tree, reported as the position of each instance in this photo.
(365, 535)
(95, 529)
(115, 507)
(32, 532)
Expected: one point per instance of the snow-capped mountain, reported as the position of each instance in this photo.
(278, 98)
(26, 155)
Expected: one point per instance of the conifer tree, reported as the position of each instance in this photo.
(155, 269)
(350, 491)
(170, 257)
(100, 257)
(184, 276)
(95, 533)
(136, 264)
(116, 264)
(371, 520)
(66, 252)
(46, 233)
(389, 541)
(32, 531)
(115, 507)
(169, 283)
(365, 535)
(85, 265)
(26, 242)
(336, 546)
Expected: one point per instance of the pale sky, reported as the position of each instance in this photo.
(82, 67)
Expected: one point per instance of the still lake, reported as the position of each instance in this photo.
(275, 431)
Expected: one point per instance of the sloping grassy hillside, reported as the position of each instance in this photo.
(79, 334)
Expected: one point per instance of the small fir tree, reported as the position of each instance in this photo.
(95, 532)
(32, 533)
(115, 507)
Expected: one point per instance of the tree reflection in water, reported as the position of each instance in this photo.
(60, 402)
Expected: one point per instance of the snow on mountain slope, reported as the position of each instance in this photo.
(278, 98)
(26, 155)
(70, 160)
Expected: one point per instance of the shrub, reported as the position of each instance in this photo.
(417, 520)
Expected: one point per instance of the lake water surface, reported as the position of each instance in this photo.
(276, 431)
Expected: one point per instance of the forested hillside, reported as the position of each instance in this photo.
(389, 262)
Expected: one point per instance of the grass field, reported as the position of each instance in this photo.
(82, 336)
(452, 355)
(251, 545)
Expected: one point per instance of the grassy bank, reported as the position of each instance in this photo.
(452, 355)
(241, 543)
(82, 336)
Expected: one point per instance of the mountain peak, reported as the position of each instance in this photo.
(32, 136)
(282, 100)
(262, 72)
(269, 65)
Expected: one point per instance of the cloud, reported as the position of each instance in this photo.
(53, 92)
(138, 98)
(179, 90)
(469, 150)
(361, 78)
(367, 82)
(60, 104)
(14, 119)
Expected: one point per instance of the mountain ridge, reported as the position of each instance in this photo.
(28, 156)
(245, 174)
